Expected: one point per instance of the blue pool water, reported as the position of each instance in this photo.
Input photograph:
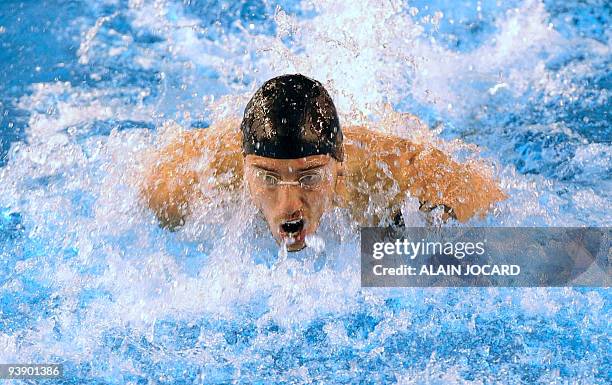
(89, 280)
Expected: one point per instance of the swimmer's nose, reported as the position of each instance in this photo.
(289, 202)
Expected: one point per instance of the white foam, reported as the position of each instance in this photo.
(316, 242)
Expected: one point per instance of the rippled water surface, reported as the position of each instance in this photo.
(87, 278)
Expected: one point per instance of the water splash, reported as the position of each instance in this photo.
(87, 276)
(316, 242)
(282, 251)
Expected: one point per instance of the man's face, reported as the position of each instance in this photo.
(292, 194)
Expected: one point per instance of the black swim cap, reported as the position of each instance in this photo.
(290, 117)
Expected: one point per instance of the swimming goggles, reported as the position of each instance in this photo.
(309, 180)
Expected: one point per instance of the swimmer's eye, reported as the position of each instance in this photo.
(311, 180)
(267, 178)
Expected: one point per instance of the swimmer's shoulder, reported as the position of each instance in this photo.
(368, 150)
(373, 170)
(171, 176)
(219, 141)
(221, 135)
(221, 145)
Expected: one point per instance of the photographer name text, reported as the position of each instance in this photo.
(457, 270)
(458, 250)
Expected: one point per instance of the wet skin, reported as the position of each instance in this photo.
(377, 175)
(287, 204)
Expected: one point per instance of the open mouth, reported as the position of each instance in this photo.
(293, 227)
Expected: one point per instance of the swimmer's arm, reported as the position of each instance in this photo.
(170, 181)
(437, 180)
(379, 162)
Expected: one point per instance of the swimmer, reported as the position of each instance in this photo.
(297, 163)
